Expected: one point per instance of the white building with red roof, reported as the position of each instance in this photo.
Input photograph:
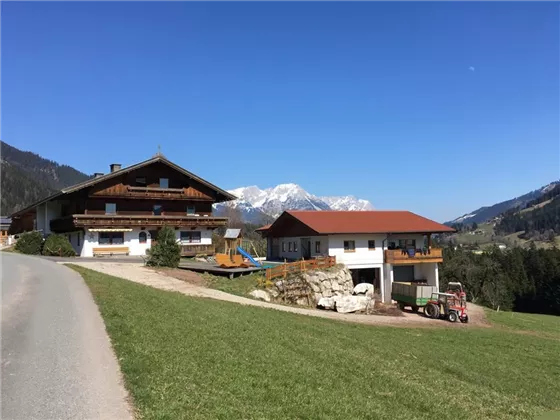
(379, 247)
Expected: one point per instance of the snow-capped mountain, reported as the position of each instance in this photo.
(257, 205)
(348, 202)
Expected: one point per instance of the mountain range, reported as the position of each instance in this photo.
(261, 206)
(27, 177)
(489, 212)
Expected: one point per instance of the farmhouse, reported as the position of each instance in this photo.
(379, 247)
(121, 212)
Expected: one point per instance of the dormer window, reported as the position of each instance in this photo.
(164, 182)
(140, 181)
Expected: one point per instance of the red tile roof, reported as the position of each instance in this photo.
(265, 227)
(376, 221)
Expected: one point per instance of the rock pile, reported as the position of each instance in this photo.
(329, 289)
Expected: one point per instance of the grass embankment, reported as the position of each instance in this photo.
(240, 286)
(534, 323)
(195, 358)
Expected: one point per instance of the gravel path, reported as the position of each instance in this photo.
(57, 360)
(140, 274)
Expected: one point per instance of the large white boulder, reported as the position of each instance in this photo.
(363, 289)
(261, 295)
(347, 304)
(326, 303)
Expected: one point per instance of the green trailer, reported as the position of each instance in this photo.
(411, 294)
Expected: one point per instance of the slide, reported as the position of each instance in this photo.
(248, 256)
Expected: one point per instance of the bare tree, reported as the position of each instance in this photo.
(235, 217)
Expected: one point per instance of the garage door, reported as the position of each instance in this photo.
(403, 273)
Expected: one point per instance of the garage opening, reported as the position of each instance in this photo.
(404, 273)
(367, 275)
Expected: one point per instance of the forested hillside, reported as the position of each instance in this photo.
(27, 177)
(523, 280)
(540, 220)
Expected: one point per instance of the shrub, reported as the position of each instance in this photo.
(58, 245)
(30, 243)
(166, 252)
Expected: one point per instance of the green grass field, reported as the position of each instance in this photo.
(193, 358)
(240, 286)
(536, 324)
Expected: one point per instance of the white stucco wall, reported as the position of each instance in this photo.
(362, 257)
(297, 255)
(420, 241)
(205, 236)
(132, 241)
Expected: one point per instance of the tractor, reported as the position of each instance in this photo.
(451, 305)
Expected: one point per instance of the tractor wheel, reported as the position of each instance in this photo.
(453, 317)
(464, 319)
(401, 306)
(431, 311)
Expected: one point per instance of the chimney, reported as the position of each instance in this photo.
(97, 174)
(115, 167)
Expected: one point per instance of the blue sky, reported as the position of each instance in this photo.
(371, 99)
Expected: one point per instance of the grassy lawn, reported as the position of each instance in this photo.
(192, 358)
(546, 324)
(240, 286)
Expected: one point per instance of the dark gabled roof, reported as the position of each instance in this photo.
(375, 221)
(94, 181)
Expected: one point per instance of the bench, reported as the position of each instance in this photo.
(112, 250)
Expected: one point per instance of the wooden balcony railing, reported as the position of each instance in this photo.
(128, 191)
(402, 256)
(193, 250)
(67, 223)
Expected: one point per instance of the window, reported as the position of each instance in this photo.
(190, 210)
(317, 247)
(142, 237)
(290, 244)
(110, 208)
(349, 246)
(295, 246)
(371, 244)
(140, 181)
(158, 209)
(190, 236)
(111, 238)
(164, 183)
(407, 243)
(283, 246)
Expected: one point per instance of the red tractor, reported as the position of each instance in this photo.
(451, 305)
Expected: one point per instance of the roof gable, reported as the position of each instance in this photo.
(221, 195)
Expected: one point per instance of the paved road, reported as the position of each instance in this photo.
(57, 362)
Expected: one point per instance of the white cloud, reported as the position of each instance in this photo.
(471, 68)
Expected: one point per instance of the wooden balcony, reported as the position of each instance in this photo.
(76, 221)
(193, 250)
(128, 191)
(402, 257)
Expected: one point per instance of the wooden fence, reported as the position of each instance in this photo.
(299, 266)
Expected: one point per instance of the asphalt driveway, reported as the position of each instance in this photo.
(57, 361)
